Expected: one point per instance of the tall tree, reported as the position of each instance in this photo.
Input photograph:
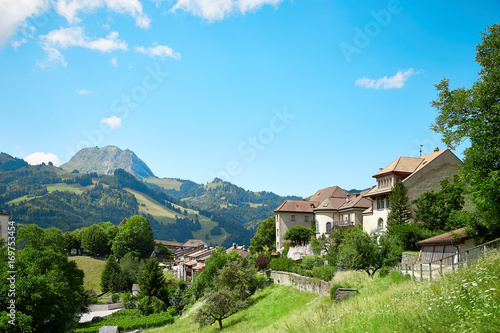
(48, 288)
(135, 235)
(265, 236)
(400, 208)
(111, 277)
(152, 281)
(95, 240)
(435, 208)
(473, 114)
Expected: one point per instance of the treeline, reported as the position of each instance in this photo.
(84, 180)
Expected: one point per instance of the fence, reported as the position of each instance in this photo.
(449, 263)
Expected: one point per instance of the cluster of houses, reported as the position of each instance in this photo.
(334, 208)
(189, 257)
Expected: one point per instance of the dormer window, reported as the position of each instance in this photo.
(325, 205)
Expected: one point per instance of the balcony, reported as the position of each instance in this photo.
(343, 224)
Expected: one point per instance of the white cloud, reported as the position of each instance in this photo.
(112, 122)
(214, 10)
(114, 62)
(162, 51)
(396, 81)
(40, 157)
(75, 36)
(71, 8)
(14, 13)
(84, 91)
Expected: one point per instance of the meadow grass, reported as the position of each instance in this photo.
(464, 301)
(92, 268)
(63, 187)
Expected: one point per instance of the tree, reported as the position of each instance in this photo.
(219, 305)
(48, 287)
(369, 253)
(435, 208)
(95, 240)
(265, 236)
(473, 115)
(135, 235)
(400, 208)
(111, 277)
(130, 266)
(152, 281)
(69, 241)
(299, 235)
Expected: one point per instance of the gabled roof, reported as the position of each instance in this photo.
(297, 206)
(357, 201)
(168, 243)
(347, 201)
(329, 192)
(405, 165)
(445, 239)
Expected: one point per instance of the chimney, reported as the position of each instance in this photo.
(347, 197)
(436, 149)
(234, 245)
(380, 169)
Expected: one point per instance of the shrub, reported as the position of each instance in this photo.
(308, 262)
(128, 301)
(384, 271)
(148, 305)
(324, 272)
(262, 261)
(114, 298)
(282, 264)
(299, 235)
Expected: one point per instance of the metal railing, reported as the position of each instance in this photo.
(449, 263)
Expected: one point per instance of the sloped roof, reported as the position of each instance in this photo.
(408, 165)
(329, 192)
(2, 212)
(444, 239)
(168, 243)
(330, 204)
(194, 243)
(358, 201)
(299, 206)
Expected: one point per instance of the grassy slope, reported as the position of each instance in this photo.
(166, 183)
(466, 301)
(270, 309)
(92, 268)
(165, 215)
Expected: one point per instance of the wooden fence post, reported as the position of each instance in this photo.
(421, 272)
(430, 271)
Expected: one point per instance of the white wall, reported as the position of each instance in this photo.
(370, 222)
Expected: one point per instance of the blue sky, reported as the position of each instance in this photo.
(284, 96)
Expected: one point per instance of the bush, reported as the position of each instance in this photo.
(258, 282)
(114, 298)
(128, 301)
(409, 234)
(308, 262)
(324, 272)
(283, 264)
(148, 305)
(384, 271)
(262, 261)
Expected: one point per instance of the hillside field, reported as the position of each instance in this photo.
(92, 268)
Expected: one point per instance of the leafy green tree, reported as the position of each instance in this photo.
(163, 250)
(135, 235)
(70, 242)
(217, 260)
(49, 288)
(177, 300)
(111, 277)
(130, 266)
(299, 235)
(152, 281)
(94, 239)
(369, 253)
(265, 236)
(219, 305)
(435, 208)
(473, 115)
(399, 212)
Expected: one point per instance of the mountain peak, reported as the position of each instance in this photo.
(106, 159)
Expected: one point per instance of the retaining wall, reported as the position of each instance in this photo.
(304, 283)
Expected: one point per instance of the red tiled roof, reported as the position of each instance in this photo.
(168, 243)
(444, 239)
(329, 192)
(299, 206)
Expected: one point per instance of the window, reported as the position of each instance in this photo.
(382, 202)
(388, 203)
(380, 223)
(317, 227)
(325, 205)
(328, 227)
(378, 203)
(306, 218)
(293, 218)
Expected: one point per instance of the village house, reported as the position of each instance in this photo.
(331, 208)
(418, 174)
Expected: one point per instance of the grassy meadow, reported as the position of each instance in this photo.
(465, 301)
(92, 268)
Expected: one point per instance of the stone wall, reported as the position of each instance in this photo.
(341, 294)
(300, 282)
(409, 258)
